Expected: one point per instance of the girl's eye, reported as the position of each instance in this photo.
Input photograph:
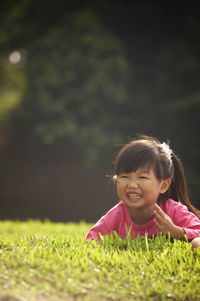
(123, 177)
(143, 177)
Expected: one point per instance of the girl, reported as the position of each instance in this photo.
(153, 195)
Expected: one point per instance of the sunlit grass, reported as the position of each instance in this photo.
(53, 261)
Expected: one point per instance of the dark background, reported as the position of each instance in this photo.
(78, 79)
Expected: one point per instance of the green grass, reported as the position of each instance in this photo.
(53, 261)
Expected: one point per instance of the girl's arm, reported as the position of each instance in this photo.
(100, 228)
(178, 221)
(107, 223)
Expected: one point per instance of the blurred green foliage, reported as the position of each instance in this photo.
(98, 73)
(79, 75)
(12, 87)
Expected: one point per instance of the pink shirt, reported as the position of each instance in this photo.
(117, 217)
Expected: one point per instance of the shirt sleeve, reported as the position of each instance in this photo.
(185, 219)
(106, 225)
(102, 227)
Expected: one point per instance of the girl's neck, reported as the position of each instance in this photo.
(141, 216)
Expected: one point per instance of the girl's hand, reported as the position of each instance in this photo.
(165, 225)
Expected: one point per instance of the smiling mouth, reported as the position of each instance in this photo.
(134, 196)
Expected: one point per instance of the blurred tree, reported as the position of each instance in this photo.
(78, 76)
(12, 86)
(12, 77)
(100, 72)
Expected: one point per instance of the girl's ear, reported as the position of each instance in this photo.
(165, 185)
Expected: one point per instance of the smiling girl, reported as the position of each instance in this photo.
(153, 195)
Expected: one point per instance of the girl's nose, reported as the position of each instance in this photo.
(132, 183)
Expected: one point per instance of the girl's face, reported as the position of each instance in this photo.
(140, 189)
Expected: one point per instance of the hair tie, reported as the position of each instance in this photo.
(167, 150)
(115, 179)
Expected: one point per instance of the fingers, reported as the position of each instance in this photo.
(158, 210)
(162, 221)
(159, 214)
(157, 224)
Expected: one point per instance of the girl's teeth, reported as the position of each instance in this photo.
(134, 195)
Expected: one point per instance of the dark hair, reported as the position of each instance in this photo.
(146, 151)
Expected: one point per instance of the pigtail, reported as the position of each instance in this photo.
(179, 191)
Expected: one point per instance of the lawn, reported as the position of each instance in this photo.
(53, 261)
